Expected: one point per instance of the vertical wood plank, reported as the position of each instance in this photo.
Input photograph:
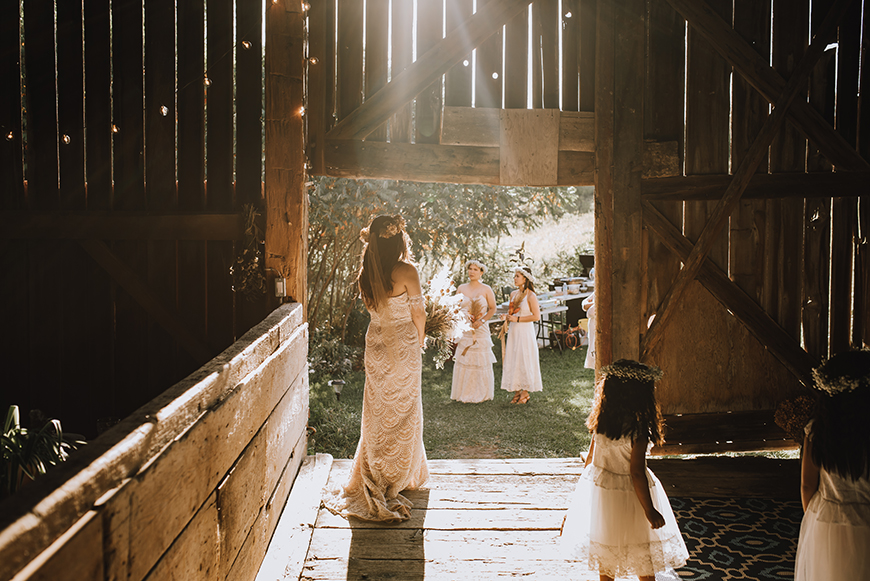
(545, 49)
(845, 210)
(861, 319)
(707, 110)
(350, 52)
(783, 242)
(604, 175)
(70, 106)
(627, 169)
(401, 47)
(458, 78)
(569, 22)
(663, 121)
(516, 65)
(98, 105)
(286, 199)
(488, 70)
(219, 294)
(320, 107)
(127, 105)
(588, 11)
(749, 112)
(817, 247)
(428, 103)
(377, 46)
(42, 139)
(11, 153)
(249, 102)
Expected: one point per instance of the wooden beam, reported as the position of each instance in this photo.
(121, 226)
(760, 324)
(791, 185)
(128, 280)
(286, 197)
(758, 73)
(427, 69)
(742, 175)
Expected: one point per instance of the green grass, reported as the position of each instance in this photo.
(551, 425)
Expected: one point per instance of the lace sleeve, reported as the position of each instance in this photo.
(415, 300)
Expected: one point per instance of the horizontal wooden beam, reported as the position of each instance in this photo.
(128, 280)
(758, 73)
(480, 126)
(427, 69)
(121, 226)
(762, 186)
(760, 324)
(438, 163)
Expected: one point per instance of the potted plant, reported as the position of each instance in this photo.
(27, 453)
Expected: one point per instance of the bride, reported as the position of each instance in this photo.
(472, 374)
(390, 456)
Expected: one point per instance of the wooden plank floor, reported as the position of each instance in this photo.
(479, 519)
(488, 519)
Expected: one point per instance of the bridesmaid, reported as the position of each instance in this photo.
(521, 368)
(473, 380)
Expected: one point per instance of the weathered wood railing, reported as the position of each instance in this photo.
(190, 486)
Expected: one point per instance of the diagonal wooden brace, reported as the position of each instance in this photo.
(771, 336)
(741, 178)
(768, 82)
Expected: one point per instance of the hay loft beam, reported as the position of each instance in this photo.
(768, 82)
(762, 187)
(742, 175)
(427, 69)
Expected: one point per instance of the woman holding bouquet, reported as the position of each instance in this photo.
(390, 456)
(473, 380)
(521, 368)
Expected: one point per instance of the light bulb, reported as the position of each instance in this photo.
(302, 110)
(306, 6)
(164, 110)
(568, 15)
(313, 60)
(465, 63)
(66, 139)
(116, 129)
(207, 82)
(495, 76)
(10, 136)
(246, 44)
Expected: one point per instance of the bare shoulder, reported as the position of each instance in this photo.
(405, 273)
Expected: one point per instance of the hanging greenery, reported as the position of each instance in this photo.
(248, 270)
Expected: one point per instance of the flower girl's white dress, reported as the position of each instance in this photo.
(473, 380)
(606, 526)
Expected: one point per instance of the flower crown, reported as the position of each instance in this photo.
(478, 264)
(390, 228)
(636, 371)
(834, 385)
(524, 270)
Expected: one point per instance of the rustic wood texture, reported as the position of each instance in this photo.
(11, 143)
(376, 68)
(350, 56)
(249, 102)
(320, 106)
(791, 186)
(699, 433)
(70, 106)
(194, 553)
(570, 55)
(545, 53)
(457, 81)
(529, 147)
(98, 105)
(516, 62)
(427, 117)
(587, 14)
(77, 554)
(488, 519)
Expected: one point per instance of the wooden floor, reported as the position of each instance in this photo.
(478, 519)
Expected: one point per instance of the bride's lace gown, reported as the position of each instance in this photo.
(390, 456)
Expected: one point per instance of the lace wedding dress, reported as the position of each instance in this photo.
(606, 526)
(473, 380)
(390, 456)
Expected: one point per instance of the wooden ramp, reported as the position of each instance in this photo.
(479, 519)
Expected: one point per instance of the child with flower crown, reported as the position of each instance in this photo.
(835, 474)
(620, 520)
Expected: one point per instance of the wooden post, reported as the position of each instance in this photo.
(286, 198)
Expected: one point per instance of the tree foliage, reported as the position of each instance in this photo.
(446, 222)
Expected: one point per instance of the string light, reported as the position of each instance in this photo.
(568, 15)
(66, 139)
(116, 129)
(207, 82)
(495, 76)
(10, 136)
(246, 44)
(302, 110)
(465, 63)
(164, 110)
(313, 60)
(306, 6)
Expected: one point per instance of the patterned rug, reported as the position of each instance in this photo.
(743, 538)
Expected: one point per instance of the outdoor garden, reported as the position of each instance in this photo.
(448, 225)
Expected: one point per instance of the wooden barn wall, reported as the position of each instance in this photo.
(792, 256)
(521, 66)
(135, 108)
(227, 441)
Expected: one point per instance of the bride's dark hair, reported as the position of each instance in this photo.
(385, 245)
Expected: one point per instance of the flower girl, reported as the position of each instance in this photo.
(620, 520)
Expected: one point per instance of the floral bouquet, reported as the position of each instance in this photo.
(445, 322)
(792, 415)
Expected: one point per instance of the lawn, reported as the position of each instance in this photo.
(551, 425)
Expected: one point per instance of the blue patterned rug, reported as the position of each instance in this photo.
(743, 538)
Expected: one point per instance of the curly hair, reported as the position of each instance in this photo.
(840, 431)
(626, 406)
(386, 244)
